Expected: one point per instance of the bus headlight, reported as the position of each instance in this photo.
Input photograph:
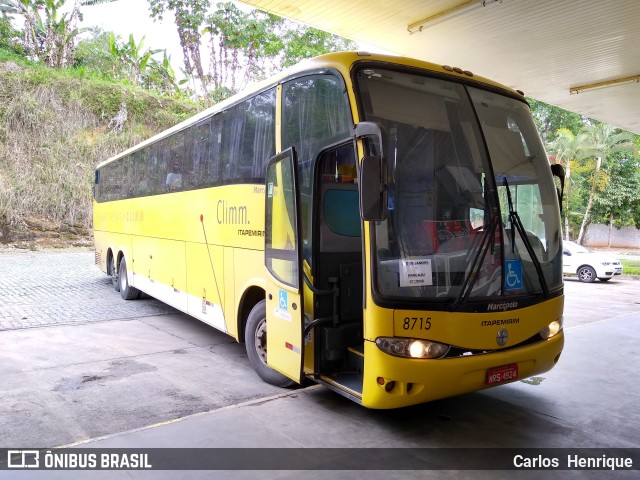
(552, 329)
(411, 347)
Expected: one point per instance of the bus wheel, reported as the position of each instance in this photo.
(255, 339)
(111, 270)
(127, 292)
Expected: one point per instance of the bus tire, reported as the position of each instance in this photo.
(113, 273)
(255, 341)
(127, 292)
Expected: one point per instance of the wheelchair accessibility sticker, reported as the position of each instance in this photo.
(283, 306)
(283, 303)
(513, 274)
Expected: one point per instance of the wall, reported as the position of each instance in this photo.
(598, 236)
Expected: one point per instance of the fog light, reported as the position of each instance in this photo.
(411, 348)
(552, 329)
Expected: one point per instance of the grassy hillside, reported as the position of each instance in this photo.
(55, 127)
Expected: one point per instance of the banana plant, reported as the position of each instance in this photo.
(33, 26)
(138, 59)
(129, 59)
(168, 75)
(48, 36)
(61, 33)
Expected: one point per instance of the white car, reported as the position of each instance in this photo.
(588, 265)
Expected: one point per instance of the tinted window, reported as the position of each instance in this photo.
(316, 115)
(342, 212)
(231, 147)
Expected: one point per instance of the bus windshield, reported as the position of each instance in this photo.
(472, 208)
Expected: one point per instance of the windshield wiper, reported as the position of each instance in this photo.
(517, 223)
(474, 271)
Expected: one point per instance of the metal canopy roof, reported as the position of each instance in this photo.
(547, 48)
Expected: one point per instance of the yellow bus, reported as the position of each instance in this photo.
(383, 226)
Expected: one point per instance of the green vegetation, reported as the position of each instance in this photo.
(630, 267)
(70, 98)
(55, 128)
(602, 169)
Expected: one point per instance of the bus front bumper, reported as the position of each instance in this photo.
(392, 382)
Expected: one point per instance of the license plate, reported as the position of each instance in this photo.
(505, 373)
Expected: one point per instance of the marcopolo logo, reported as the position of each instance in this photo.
(502, 307)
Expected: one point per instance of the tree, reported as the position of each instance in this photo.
(93, 53)
(137, 58)
(619, 204)
(9, 36)
(189, 18)
(61, 32)
(28, 9)
(249, 46)
(160, 76)
(48, 35)
(568, 148)
(601, 141)
(549, 119)
(241, 43)
(106, 54)
(303, 42)
(244, 46)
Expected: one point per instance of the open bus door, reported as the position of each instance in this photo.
(283, 252)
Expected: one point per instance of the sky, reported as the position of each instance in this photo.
(124, 17)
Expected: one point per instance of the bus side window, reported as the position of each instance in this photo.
(259, 143)
(198, 154)
(229, 145)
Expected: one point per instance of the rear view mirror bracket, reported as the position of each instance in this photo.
(372, 129)
(373, 174)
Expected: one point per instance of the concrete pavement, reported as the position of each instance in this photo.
(591, 400)
(170, 381)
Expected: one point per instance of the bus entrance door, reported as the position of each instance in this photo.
(283, 264)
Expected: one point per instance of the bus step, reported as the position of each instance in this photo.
(347, 384)
(357, 349)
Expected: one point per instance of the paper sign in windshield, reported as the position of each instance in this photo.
(415, 272)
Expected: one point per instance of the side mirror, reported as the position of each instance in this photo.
(373, 188)
(558, 171)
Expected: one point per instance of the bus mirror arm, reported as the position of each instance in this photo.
(372, 129)
(373, 174)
